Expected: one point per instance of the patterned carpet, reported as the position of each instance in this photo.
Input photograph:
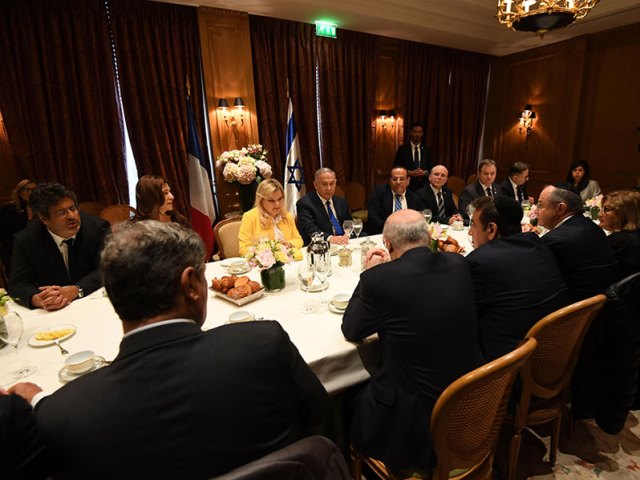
(587, 453)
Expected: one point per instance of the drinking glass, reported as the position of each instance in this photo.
(357, 226)
(347, 226)
(526, 207)
(322, 272)
(10, 334)
(306, 275)
(426, 213)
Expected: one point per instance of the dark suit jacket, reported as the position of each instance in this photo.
(11, 222)
(23, 452)
(37, 261)
(422, 307)
(429, 201)
(381, 206)
(584, 256)
(470, 193)
(509, 191)
(178, 402)
(313, 216)
(404, 158)
(517, 282)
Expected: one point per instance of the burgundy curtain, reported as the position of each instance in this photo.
(282, 52)
(347, 75)
(58, 96)
(446, 89)
(158, 51)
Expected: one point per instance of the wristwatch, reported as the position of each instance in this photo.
(80, 291)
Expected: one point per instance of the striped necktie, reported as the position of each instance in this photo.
(398, 203)
(441, 212)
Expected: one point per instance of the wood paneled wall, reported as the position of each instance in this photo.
(587, 101)
(228, 73)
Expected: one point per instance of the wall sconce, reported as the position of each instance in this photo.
(238, 105)
(387, 114)
(526, 122)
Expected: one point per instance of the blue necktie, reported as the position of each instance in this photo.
(398, 204)
(334, 221)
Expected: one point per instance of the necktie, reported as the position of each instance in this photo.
(489, 192)
(65, 255)
(398, 203)
(337, 229)
(416, 156)
(520, 195)
(69, 242)
(441, 212)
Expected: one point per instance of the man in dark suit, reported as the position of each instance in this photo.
(390, 198)
(424, 349)
(484, 186)
(178, 402)
(582, 251)
(415, 157)
(438, 198)
(515, 275)
(515, 185)
(56, 260)
(322, 211)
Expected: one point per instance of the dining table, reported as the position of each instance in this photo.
(337, 362)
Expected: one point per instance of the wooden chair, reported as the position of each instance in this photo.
(545, 378)
(466, 420)
(226, 237)
(92, 208)
(472, 178)
(356, 198)
(339, 191)
(117, 213)
(456, 184)
(456, 200)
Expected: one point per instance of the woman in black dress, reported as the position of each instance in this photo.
(14, 216)
(620, 215)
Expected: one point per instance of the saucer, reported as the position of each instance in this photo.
(66, 376)
(335, 309)
(315, 287)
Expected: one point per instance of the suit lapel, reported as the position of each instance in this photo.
(54, 258)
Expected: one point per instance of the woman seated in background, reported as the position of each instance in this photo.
(269, 218)
(155, 201)
(580, 182)
(14, 216)
(620, 215)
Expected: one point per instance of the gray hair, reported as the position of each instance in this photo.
(322, 170)
(570, 199)
(404, 234)
(142, 263)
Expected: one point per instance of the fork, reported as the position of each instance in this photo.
(63, 351)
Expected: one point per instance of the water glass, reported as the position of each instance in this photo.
(347, 226)
(357, 226)
(426, 213)
(11, 334)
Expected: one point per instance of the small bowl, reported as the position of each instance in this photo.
(80, 362)
(341, 300)
(240, 316)
(458, 225)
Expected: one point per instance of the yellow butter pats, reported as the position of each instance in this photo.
(53, 334)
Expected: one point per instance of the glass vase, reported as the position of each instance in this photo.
(594, 211)
(273, 278)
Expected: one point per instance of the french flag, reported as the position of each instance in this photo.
(203, 212)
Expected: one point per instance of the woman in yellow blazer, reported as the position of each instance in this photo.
(269, 218)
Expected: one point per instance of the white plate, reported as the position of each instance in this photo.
(226, 263)
(335, 309)
(66, 376)
(240, 301)
(45, 343)
(315, 287)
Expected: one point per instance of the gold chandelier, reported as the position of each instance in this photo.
(540, 16)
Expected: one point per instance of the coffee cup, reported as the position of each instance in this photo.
(240, 316)
(341, 300)
(80, 362)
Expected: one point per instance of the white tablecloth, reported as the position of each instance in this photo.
(335, 361)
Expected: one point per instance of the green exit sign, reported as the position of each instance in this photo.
(326, 29)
